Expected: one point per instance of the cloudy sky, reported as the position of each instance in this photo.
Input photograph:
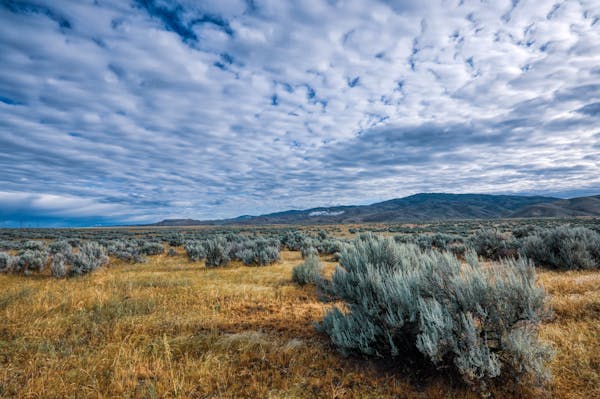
(120, 111)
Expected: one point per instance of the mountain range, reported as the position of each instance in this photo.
(420, 207)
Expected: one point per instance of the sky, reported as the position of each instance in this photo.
(127, 112)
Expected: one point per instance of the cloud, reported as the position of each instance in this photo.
(592, 109)
(152, 109)
(27, 209)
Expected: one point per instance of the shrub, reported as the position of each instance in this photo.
(457, 249)
(127, 250)
(91, 256)
(58, 267)
(130, 255)
(524, 231)
(424, 242)
(31, 260)
(478, 321)
(264, 255)
(60, 246)
(195, 250)
(492, 244)
(308, 251)
(172, 252)
(329, 246)
(444, 242)
(217, 252)
(256, 252)
(33, 245)
(6, 262)
(563, 247)
(293, 240)
(307, 272)
(152, 248)
(175, 239)
(74, 242)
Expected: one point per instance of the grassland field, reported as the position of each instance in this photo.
(171, 328)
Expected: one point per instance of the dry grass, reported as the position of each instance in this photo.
(575, 332)
(170, 328)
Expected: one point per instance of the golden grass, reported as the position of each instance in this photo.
(171, 328)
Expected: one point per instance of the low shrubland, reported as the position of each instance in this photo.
(220, 250)
(34, 257)
(133, 251)
(432, 324)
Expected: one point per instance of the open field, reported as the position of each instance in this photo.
(172, 328)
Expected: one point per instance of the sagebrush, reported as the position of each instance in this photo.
(426, 307)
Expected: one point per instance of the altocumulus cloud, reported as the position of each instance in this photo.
(132, 111)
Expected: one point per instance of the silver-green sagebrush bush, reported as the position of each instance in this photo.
(7, 262)
(308, 251)
(90, 257)
(30, 260)
(255, 252)
(152, 248)
(217, 252)
(60, 246)
(426, 307)
(195, 250)
(309, 271)
(563, 247)
(58, 266)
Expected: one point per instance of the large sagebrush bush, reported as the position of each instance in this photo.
(255, 252)
(60, 246)
(6, 262)
(217, 252)
(307, 272)
(152, 248)
(329, 246)
(261, 256)
(90, 257)
(563, 247)
(34, 245)
(426, 307)
(131, 251)
(175, 239)
(30, 260)
(58, 266)
(195, 250)
(294, 240)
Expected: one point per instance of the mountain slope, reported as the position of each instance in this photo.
(580, 206)
(418, 207)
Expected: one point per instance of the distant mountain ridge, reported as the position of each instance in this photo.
(581, 206)
(420, 207)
